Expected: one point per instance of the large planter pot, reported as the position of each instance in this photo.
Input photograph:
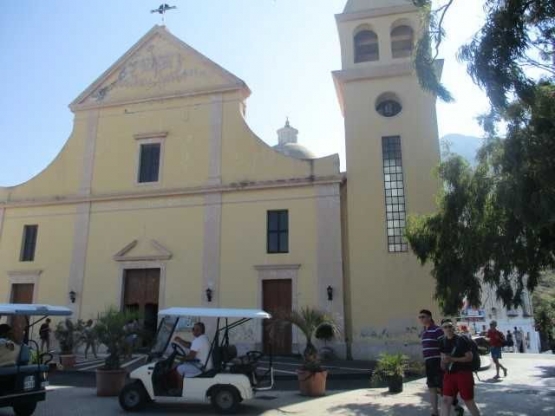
(312, 383)
(67, 360)
(110, 382)
(395, 384)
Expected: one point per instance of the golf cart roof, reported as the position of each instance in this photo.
(33, 309)
(216, 312)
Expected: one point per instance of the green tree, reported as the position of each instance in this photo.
(516, 35)
(544, 310)
(495, 223)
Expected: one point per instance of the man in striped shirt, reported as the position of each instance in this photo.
(430, 350)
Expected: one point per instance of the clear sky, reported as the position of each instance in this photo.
(284, 50)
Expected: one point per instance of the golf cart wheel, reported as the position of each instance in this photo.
(133, 397)
(226, 399)
(24, 409)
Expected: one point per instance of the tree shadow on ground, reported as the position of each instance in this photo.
(515, 399)
(547, 371)
(368, 407)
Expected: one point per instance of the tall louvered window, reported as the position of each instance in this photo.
(402, 42)
(278, 231)
(394, 194)
(149, 163)
(29, 243)
(366, 46)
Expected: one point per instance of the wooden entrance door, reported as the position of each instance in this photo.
(21, 293)
(276, 296)
(140, 294)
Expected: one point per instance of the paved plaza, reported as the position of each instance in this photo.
(529, 390)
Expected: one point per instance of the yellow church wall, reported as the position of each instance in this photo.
(175, 223)
(243, 244)
(387, 289)
(185, 149)
(50, 269)
(248, 157)
(61, 177)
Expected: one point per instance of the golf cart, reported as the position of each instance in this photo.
(231, 379)
(23, 373)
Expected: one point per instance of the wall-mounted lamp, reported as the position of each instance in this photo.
(72, 296)
(209, 294)
(329, 290)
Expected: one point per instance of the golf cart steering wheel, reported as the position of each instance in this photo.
(45, 358)
(254, 356)
(178, 349)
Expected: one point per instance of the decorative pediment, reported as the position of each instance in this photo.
(158, 66)
(155, 251)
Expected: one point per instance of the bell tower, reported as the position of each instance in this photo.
(392, 147)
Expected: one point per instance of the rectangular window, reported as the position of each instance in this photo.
(394, 194)
(29, 243)
(149, 162)
(278, 231)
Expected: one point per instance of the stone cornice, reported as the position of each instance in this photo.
(277, 266)
(366, 14)
(377, 71)
(162, 193)
(14, 273)
(152, 135)
(191, 93)
(396, 69)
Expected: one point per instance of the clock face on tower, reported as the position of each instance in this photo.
(388, 108)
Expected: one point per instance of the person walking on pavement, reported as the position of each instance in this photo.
(496, 340)
(456, 361)
(88, 338)
(431, 338)
(510, 342)
(44, 335)
(519, 341)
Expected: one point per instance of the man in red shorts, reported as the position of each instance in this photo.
(456, 361)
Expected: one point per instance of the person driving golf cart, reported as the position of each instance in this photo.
(199, 349)
(10, 352)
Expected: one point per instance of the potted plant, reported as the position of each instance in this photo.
(312, 377)
(111, 330)
(68, 334)
(391, 369)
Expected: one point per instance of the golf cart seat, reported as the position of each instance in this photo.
(228, 353)
(18, 369)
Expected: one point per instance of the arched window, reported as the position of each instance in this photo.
(366, 46)
(402, 40)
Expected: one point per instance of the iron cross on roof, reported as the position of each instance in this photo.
(162, 9)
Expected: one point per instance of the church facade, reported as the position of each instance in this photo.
(163, 196)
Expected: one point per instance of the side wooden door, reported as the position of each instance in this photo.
(21, 293)
(276, 297)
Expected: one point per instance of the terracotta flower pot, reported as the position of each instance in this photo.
(312, 383)
(67, 360)
(110, 382)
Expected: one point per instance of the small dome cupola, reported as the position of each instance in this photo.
(287, 134)
(287, 143)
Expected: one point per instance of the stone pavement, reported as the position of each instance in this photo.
(528, 390)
